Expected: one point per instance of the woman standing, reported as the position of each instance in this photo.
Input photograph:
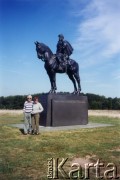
(37, 109)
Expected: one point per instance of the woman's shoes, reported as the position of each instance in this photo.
(25, 133)
(35, 133)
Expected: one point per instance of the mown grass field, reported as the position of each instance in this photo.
(26, 157)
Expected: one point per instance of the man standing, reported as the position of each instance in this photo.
(64, 50)
(28, 107)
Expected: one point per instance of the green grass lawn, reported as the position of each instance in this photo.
(25, 157)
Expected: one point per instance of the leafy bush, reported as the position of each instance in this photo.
(94, 102)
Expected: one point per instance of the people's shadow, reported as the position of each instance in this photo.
(21, 130)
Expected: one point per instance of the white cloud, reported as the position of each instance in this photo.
(98, 35)
(97, 45)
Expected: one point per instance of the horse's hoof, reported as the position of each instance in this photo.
(78, 93)
(52, 92)
(74, 92)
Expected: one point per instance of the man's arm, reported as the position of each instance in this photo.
(24, 108)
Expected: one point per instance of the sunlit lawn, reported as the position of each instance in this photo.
(25, 157)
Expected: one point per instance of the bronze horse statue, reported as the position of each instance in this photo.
(52, 67)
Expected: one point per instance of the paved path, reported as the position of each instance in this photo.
(61, 128)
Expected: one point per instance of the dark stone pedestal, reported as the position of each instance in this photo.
(64, 110)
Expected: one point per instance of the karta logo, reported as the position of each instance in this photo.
(57, 170)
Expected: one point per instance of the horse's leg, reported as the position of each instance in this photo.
(73, 80)
(52, 78)
(51, 82)
(54, 81)
(77, 77)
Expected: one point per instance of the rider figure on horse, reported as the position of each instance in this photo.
(64, 50)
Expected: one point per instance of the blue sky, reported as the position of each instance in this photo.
(91, 26)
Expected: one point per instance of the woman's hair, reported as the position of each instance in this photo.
(36, 98)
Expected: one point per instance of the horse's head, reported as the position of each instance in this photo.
(43, 51)
(38, 46)
(40, 51)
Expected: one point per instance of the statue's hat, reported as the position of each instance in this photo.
(61, 35)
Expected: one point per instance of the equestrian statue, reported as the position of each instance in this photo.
(59, 63)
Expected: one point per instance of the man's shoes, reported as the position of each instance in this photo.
(37, 133)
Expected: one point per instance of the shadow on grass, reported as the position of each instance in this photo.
(21, 130)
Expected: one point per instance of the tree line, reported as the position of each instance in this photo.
(94, 102)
